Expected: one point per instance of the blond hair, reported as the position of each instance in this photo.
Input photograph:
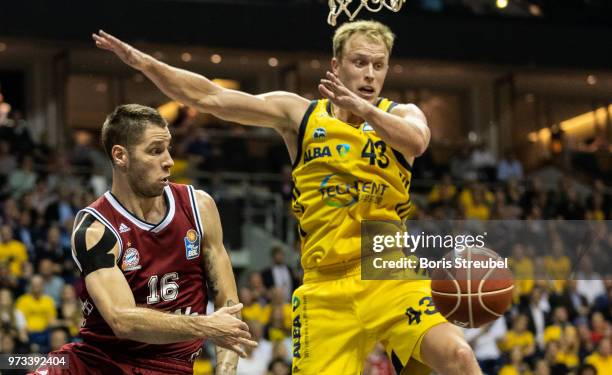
(371, 29)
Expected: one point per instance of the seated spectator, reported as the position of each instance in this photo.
(602, 358)
(600, 328)
(13, 321)
(253, 310)
(53, 284)
(483, 160)
(523, 270)
(587, 369)
(509, 167)
(517, 365)
(12, 251)
(39, 312)
(478, 207)
(559, 327)
(52, 248)
(22, 180)
(542, 368)
(553, 358)
(519, 337)
(557, 265)
(589, 283)
(257, 360)
(258, 288)
(485, 341)
(57, 338)
(280, 367)
(443, 192)
(536, 309)
(279, 275)
(69, 312)
(8, 163)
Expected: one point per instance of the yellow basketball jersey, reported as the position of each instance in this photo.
(342, 175)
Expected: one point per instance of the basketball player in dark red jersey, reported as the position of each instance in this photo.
(147, 249)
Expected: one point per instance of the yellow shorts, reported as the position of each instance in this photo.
(338, 320)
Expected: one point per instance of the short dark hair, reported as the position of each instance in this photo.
(126, 124)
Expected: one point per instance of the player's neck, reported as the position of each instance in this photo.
(346, 116)
(150, 210)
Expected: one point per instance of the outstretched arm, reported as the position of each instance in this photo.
(279, 110)
(95, 249)
(219, 273)
(404, 128)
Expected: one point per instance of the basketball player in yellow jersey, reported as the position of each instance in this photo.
(352, 153)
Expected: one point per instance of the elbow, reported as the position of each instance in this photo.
(416, 147)
(121, 328)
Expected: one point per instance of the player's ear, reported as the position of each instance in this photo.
(120, 155)
(335, 65)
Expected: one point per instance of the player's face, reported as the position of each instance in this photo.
(150, 163)
(363, 66)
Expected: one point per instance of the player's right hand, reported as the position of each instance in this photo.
(228, 331)
(128, 54)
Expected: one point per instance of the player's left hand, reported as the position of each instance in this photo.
(333, 89)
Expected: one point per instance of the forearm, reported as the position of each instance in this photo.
(157, 327)
(227, 360)
(186, 87)
(406, 136)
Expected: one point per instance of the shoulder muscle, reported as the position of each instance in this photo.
(95, 245)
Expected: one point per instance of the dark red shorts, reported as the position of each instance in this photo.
(87, 359)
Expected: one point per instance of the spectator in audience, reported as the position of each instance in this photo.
(13, 321)
(22, 180)
(517, 365)
(258, 288)
(587, 369)
(8, 163)
(69, 311)
(279, 275)
(12, 251)
(258, 311)
(552, 358)
(589, 283)
(279, 367)
(257, 360)
(536, 310)
(602, 358)
(557, 265)
(509, 167)
(485, 341)
(7, 279)
(24, 233)
(542, 368)
(52, 248)
(39, 312)
(559, 326)
(600, 328)
(519, 336)
(483, 160)
(53, 284)
(523, 270)
(61, 209)
(57, 338)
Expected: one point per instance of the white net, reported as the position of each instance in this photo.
(343, 6)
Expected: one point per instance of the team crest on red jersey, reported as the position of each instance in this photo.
(192, 244)
(131, 260)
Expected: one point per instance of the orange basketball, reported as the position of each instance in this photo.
(477, 289)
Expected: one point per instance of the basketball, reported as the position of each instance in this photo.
(472, 293)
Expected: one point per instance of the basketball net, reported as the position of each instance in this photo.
(338, 6)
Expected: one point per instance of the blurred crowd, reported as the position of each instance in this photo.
(554, 327)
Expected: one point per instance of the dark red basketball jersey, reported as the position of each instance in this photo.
(162, 264)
